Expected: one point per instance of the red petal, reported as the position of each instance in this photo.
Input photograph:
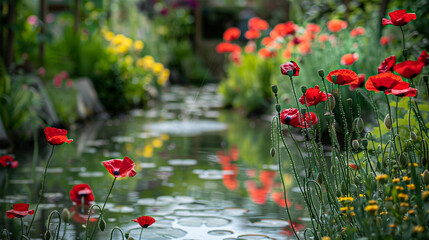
(113, 165)
(21, 206)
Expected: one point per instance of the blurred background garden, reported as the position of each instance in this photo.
(182, 87)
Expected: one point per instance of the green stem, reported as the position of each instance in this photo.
(22, 228)
(140, 237)
(113, 230)
(397, 119)
(403, 40)
(391, 127)
(102, 209)
(41, 190)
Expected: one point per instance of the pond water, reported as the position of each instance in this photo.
(202, 173)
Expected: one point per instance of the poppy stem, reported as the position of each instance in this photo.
(391, 127)
(141, 233)
(102, 209)
(403, 41)
(113, 230)
(397, 122)
(22, 228)
(41, 190)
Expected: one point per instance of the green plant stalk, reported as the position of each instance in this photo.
(369, 162)
(374, 105)
(391, 127)
(281, 174)
(113, 230)
(41, 190)
(22, 228)
(102, 209)
(403, 41)
(140, 237)
(59, 223)
(397, 121)
(300, 153)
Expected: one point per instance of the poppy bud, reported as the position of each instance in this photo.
(334, 78)
(130, 238)
(405, 53)
(290, 73)
(278, 108)
(333, 170)
(413, 136)
(274, 88)
(320, 178)
(358, 124)
(426, 177)
(358, 180)
(303, 89)
(47, 235)
(403, 160)
(102, 224)
(350, 102)
(331, 101)
(65, 215)
(273, 152)
(364, 143)
(355, 144)
(321, 73)
(425, 78)
(388, 121)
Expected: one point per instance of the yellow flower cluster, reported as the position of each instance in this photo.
(381, 177)
(121, 44)
(403, 196)
(346, 199)
(372, 208)
(148, 62)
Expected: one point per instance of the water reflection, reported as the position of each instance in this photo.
(210, 178)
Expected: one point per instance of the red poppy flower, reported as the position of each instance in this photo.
(231, 34)
(259, 24)
(266, 53)
(336, 25)
(278, 198)
(409, 69)
(79, 191)
(385, 81)
(290, 66)
(349, 58)
(250, 47)
(353, 166)
(266, 41)
(283, 29)
(144, 221)
(290, 117)
(8, 162)
(323, 38)
(385, 40)
(224, 47)
(304, 47)
(399, 18)
(120, 168)
(287, 53)
(313, 96)
(387, 64)
(362, 78)
(424, 58)
(235, 57)
(252, 34)
(313, 28)
(357, 31)
(344, 77)
(20, 210)
(56, 136)
(258, 194)
(406, 92)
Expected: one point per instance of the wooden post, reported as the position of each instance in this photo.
(42, 17)
(382, 12)
(76, 16)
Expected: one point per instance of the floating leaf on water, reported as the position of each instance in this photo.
(296, 189)
(198, 171)
(182, 162)
(211, 114)
(91, 174)
(96, 143)
(184, 199)
(199, 221)
(270, 167)
(121, 209)
(191, 221)
(165, 198)
(89, 150)
(270, 223)
(253, 237)
(53, 195)
(216, 221)
(305, 219)
(50, 170)
(211, 174)
(112, 154)
(234, 211)
(166, 169)
(147, 165)
(220, 232)
(21, 181)
(123, 139)
(146, 201)
(77, 169)
(186, 128)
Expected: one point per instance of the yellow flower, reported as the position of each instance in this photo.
(381, 178)
(425, 194)
(411, 187)
(347, 208)
(404, 204)
(165, 137)
(156, 143)
(128, 147)
(392, 225)
(405, 218)
(128, 60)
(345, 199)
(418, 229)
(388, 198)
(411, 212)
(372, 202)
(147, 62)
(140, 62)
(383, 213)
(399, 188)
(403, 196)
(138, 45)
(148, 151)
(406, 178)
(157, 68)
(371, 208)
(361, 195)
(395, 180)
(326, 238)
(118, 39)
(414, 164)
(162, 80)
(108, 35)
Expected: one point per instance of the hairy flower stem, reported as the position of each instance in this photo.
(41, 190)
(391, 127)
(140, 237)
(113, 230)
(22, 228)
(102, 209)
(403, 41)
(397, 119)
